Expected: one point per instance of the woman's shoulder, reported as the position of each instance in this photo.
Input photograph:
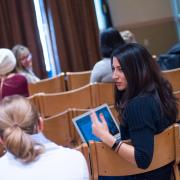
(65, 153)
(16, 77)
(105, 61)
(141, 99)
(30, 78)
(143, 103)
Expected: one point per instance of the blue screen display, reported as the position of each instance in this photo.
(85, 125)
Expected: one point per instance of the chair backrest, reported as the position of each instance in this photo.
(60, 129)
(50, 85)
(103, 93)
(77, 79)
(54, 103)
(34, 100)
(86, 97)
(105, 162)
(173, 76)
(177, 151)
(177, 94)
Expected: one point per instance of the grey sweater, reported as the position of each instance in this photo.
(102, 71)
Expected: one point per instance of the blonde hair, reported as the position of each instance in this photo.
(18, 51)
(18, 120)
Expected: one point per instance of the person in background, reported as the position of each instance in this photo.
(10, 82)
(110, 39)
(24, 63)
(29, 154)
(170, 59)
(146, 105)
(128, 36)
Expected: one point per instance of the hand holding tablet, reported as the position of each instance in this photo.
(99, 124)
(83, 123)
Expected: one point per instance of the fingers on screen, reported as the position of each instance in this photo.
(102, 118)
(93, 117)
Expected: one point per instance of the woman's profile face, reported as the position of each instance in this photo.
(118, 75)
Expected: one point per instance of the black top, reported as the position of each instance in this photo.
(142, 119)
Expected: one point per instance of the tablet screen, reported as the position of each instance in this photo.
(84, 126)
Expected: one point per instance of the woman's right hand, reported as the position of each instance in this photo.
(99, 128)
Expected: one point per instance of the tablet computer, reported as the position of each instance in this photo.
(83, 123)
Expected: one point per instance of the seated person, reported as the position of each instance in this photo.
(110, 39)
(128, 36)
(170, 59)
(24, 63)
(29, 154)
(11, 82)
(146, 106)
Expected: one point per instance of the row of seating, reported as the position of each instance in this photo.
(102, 161)
(60, 128)
(72, 80)
(60, 83)
(86, 97)
(173, 76)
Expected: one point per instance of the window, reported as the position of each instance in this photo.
(46, 42)
(176, 10)
(102, 14)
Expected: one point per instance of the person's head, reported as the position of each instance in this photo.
(128, 36)
(23, 56)
(133, 65)
(110, 39)
(7, 61)
(18, 120)
(135, 73)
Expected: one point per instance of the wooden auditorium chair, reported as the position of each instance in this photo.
(60, 129)
(177, 94)
(177, 151)
(49, 85)
(105, 162)
(77, 79)
(103, 93)
(54, 103)
(173, 76)
(34, 100)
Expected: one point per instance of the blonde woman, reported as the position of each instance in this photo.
(29, 154)
(24, 63)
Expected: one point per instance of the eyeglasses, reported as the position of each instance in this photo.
(26, 57)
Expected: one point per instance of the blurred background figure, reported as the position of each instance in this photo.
(170, 59)
(24, 63)
(11, 82)
(128, 36)
(110, 39)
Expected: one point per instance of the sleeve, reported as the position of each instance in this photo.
(96, 73)
(140, 117)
